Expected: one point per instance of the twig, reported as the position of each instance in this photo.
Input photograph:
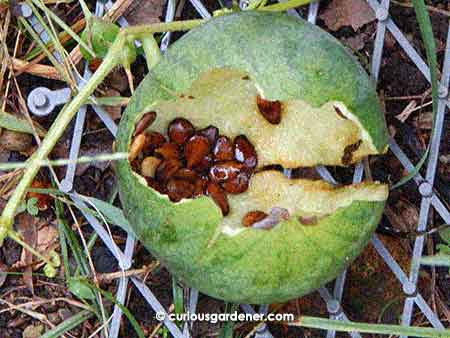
(48, 72)
(108, 277)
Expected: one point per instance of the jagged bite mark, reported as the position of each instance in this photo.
(339, 113)
(347, 157)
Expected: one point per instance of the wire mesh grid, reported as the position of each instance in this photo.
(332, 299)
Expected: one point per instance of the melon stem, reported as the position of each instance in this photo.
(284, 6)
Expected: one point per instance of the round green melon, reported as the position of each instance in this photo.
(212, 76)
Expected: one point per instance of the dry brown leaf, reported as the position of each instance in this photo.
(340, 13)
(15, 141)
(43, 200)
(144, 11)
(27, 228)
(355, 42)
(93, 150)
(44, 71)
(47, 239)
(3, 273)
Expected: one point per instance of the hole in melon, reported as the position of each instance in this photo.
(217, 136)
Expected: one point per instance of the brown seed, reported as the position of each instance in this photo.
(271, 110)
(219, 196)
(253, 217)
(136, 146)
(239, 184)
(202, 167)
(177, 189)
(168, 150)
(200, 186)
(313, 220)
(191, 176)
(244, 151)
(155, 185)
(196, 149)
(180, 130)
(223, 150)
(167, 169)
(226, 171)
(149, 165)
(211, 133)
(146, 120)
(187, 174)
(153, 140)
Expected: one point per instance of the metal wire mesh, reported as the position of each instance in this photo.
(429, 198)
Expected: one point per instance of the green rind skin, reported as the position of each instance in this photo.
(289, 59)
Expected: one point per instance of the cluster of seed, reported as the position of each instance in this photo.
(189, 163)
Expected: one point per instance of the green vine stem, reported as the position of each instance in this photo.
(151, 50)
(112, 60)
(284, 6)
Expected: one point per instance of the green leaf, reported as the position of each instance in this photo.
(10, 122)
(178, 296)
(436, 260)
(112, 214)
(80, 288)
(348, 326)
(49, 271)
(412, 173)
(227, 330)
(68, 324)
(445, 235)
(430, 47)
(443, 249)
(32, 208)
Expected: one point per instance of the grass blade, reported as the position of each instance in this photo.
(430, 48)
(74, 245)
(62, 239)
(178, 296)
(10, 122)
(125, 311)
(436, 260)
(64, 26)
(62, 162)
(413, 172)
(37, 39)
(337, 325)
(112, 214)
(68, 324)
